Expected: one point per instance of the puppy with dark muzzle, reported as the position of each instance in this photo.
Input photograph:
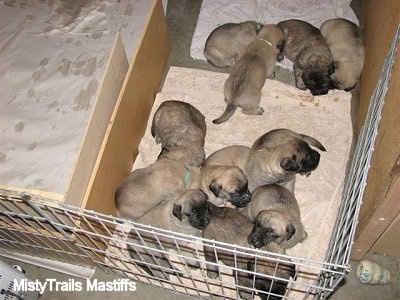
(181, 130)
(345, 42)
(276, 216)
(247, 78)
(280, 154)
(225, 185)
(147, 187)
(312, 59)
(227, 225)
(229, 40)
(275, 157)
(188, 214)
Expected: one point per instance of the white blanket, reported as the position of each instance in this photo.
(215, 13)
(326, 118)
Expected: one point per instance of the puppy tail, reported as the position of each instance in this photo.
(229, 111)
(313, 142)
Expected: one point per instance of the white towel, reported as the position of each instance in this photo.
(215, 13)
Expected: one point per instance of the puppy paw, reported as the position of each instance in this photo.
(212, 274)
(260, 110)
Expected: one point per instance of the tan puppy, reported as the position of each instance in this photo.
(181, 130)
(229, 40)
(235, 155)
(345, 42)
(187, 213)
(280, 154)
(313, 61)
(243, 86)
(227, 225)
(225, 185)
(276, 216)
(275, 157)
(147, 187)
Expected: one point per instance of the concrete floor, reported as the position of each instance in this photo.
(181, 19)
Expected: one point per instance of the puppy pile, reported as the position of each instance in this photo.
(238, 194)
(323, 59)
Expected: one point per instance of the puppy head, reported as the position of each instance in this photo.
(318, 80)
(299, 157)
(344, 78)
(193, 208)
(271, 226)
(275, 35)
(231, 185)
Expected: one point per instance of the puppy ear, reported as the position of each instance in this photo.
(332, 67)
(290, 231)
(215, 188)
(177, 211)
(280, 45)
(289, 164)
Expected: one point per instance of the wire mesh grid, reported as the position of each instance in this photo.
(343, 237)
(150, 255)
(37, 226)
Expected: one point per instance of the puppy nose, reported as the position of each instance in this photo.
(316, 156)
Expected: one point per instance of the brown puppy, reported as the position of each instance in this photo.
(225, 185)
(276, 217)
(345, 42)
(244, 84)
(187, 213)
(227, 225)
(181, 130)
(147, 187)
(229, 40)
(313, 61)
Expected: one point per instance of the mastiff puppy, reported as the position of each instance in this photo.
(275, 157)
(280, 154)
(312, 59)
(181, 130)
(225, 185)
(229, 40)
(276, 216)
(243, 86)
(147, 187)
(227, 225)
(345, 42)
(187, 213)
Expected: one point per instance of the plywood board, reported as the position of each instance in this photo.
(129, 119)
(379, 17)
(107, 96)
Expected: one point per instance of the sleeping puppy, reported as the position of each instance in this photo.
(229, 40)
(275, 157)
(225, 185)
(243, 86)
(147, 187)
(276, 216)
(181, 130)
(188, 214)
(313, 61)
(344, 40)
(229, 226)
(280, 154)
(234, 155)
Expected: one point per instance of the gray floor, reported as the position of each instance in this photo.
(182, 18)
